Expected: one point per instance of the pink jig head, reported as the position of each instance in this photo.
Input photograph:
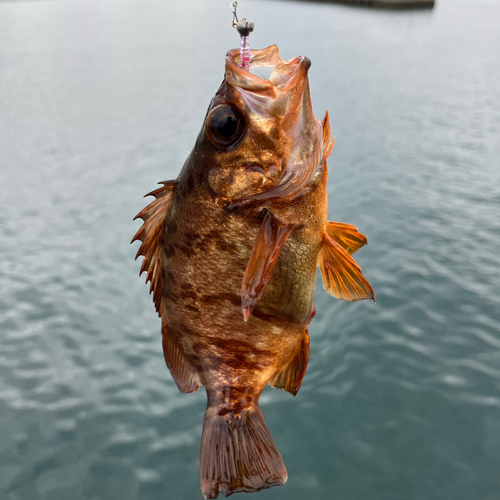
(244, 28)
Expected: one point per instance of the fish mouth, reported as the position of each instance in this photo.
(270, 176)
(268, 72)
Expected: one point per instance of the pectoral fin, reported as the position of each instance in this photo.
(151, 234)
(270, 239)
(290, 377)
(346, 236)
(342, 276)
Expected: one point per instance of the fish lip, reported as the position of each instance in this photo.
(285, 73)
(255, 168)
(270, 174)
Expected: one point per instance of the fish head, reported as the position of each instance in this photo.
(260, 138)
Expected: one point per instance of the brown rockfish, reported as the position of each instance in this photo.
(231, 249)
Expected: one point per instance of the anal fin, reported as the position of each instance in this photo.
(342, 276)
(183, 372)
(290, 377)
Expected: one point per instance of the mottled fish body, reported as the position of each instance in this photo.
(231, 249)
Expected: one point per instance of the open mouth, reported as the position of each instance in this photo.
(267, 70)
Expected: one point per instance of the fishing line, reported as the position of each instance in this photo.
(244, 27)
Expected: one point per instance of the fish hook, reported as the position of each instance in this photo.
(244, 27)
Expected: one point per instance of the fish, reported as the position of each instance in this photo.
(231, 249)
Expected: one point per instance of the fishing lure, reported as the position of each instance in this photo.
(244, 28)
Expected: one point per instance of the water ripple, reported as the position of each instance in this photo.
(400, 400)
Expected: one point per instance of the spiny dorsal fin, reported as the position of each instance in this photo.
(266, 250)
(342, 276)
(151, 234)
(346, 235)
(290, 378)
(327, 145)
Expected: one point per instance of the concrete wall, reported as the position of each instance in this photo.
(388, 4)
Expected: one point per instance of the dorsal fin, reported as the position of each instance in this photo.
(151, 234)
(327, 145)
(290, 377)
(342, 276)
(185, 375)
(346, 235)
(266, 250)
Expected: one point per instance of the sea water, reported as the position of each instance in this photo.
(100, 100)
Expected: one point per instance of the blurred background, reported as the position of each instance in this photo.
(100, 100)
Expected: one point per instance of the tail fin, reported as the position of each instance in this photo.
(238, 454)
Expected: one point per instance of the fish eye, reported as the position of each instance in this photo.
(225, 127)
